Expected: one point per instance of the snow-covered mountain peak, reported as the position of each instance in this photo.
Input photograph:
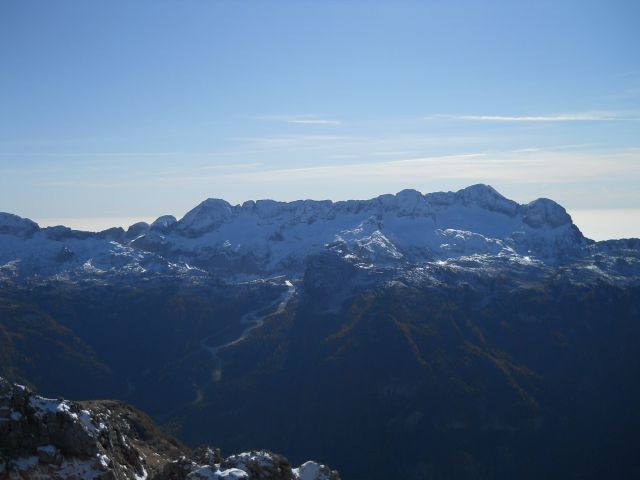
(481, 191)
(409, 202)
(14, 225)
(165, 222)
(487, 197)
(407, 226)
(268, 237)
(544, 212)
(212, 213)
(205, 217)
(137, 229)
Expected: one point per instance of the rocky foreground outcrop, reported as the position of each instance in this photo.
(109, 440)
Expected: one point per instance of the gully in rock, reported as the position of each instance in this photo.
(253, 320)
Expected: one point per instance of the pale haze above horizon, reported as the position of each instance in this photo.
(115, 112)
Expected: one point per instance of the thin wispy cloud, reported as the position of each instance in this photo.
(541, 166)
(293, 141)
(573, 146)
(388, 145)
(92, 154)
(392, 153)
(232, 166)
(318, 121)
(300, 119)
(561, 117)
(561, 174)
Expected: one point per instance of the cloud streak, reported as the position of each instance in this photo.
(506, 167)
(92, 154)
(300, 120)
(561, 117)
(232, 166)
(526, 166)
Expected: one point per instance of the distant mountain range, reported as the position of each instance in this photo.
(267, 238)
(455, 335)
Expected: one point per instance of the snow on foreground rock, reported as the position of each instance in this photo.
(109, 440)
(206, 464)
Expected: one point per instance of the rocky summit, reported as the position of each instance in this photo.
(109, 440)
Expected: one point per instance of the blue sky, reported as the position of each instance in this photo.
(139, 108)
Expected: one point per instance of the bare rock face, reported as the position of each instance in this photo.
(109, 440)
(62, 439)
